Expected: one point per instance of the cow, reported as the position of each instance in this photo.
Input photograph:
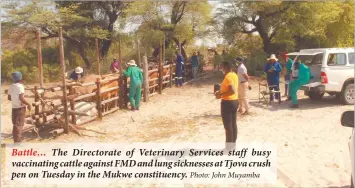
(110, 94)
(83, 90)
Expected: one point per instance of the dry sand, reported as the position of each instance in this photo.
(312, 145)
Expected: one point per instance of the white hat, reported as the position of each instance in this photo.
(79, 70)
(272, 57)
(132, 63)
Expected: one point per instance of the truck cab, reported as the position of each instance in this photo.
(332, 70)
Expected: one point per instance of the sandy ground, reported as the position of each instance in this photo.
(312, 145)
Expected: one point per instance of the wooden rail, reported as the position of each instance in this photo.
(115, 85)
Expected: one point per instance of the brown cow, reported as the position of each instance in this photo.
(82, 90)
(110, 94)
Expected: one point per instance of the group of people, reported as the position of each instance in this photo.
(234, 87)
(296, 74)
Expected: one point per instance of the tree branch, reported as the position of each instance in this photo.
(277, 12)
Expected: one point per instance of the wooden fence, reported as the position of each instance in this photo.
(107, 95)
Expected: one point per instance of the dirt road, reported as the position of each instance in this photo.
(312, 145)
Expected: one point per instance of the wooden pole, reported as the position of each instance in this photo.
(98, 56)
(171, 74)
(62, 64)
(39, 58)
(121, 91)
(145, 80)
(98, 96)
(160, 69)
(139, 52)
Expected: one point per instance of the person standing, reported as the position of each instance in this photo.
(287, 72)
(135, 86)
(178, 69)
(16, 94)
(243, 86)
(272, 70)
(194, 62)
(304, 75)
(115, 66)
(229, 104)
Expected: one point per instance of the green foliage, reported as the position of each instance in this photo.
(25, 61)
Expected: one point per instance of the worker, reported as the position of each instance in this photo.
(135, 87)
(178, 70)
(194, 62)
(115, 66)
(304, 75)
(243, 86)
(77, 74)
(16, 94)
(288, 68)
(229, 104)
(272, 70)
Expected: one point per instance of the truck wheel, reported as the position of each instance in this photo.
(315, 96)
(348, 94)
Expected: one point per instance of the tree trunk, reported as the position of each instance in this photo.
(107, 43)
(82, 53)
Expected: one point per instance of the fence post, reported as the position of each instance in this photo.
(61, 57)
(72, 106)
(171, 74)
(39, 57)
(37, 106)
(117, 102)
(126, 99)
(145, 80)
(160, 69)
(98, 96)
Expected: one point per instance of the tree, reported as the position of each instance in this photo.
(179, 21)
(283, 25)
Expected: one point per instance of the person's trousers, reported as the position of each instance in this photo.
(294, 87)
(229, 116)
(18, 121)
(194, 71)
(135, 94)
(242, 96)
(287, 80)
(178, 78)
(275, 87)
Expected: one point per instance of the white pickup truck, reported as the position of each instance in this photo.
(332, 70)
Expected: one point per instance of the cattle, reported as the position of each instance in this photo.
(83, 90)
(110, 94)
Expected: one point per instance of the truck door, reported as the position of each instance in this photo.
(316, 66)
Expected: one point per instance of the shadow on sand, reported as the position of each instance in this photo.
(304, 104)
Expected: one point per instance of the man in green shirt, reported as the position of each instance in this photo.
(135, 87)
(288, 72)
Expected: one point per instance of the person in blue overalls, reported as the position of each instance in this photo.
(178, 70)
(272, 70)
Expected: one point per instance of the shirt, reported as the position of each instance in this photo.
(230, 79)
(194, 61)
(241, 71)
(74, 76)
(115, 65)
(135, 75)
(273, 78)
(15, 91)
(289, 66)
